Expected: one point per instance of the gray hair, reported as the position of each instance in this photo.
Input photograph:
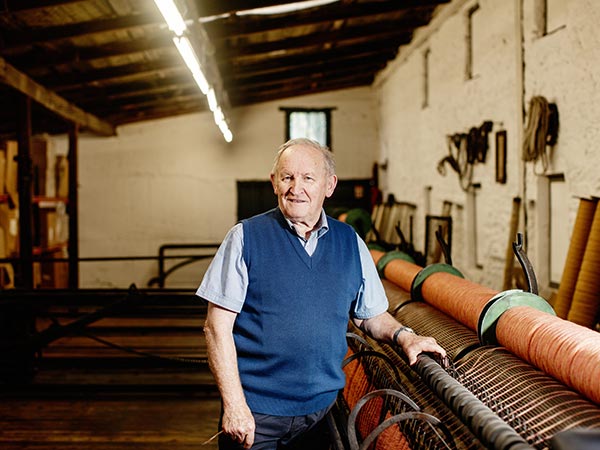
(327, 154)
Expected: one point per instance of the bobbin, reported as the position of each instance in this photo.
(502, 302)
(417, 283)
(390, 256)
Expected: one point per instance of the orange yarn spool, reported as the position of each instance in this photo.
(567, 351)
(586, 303)
(376, 255)
(459, 298)
(579, 238)
(402, 273)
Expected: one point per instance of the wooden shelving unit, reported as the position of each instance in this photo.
(42, 256)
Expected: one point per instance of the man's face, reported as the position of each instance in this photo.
(302, 183)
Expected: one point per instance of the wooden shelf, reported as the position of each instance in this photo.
(48, 202)
(52, 248)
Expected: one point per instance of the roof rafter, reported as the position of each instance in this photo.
(52, 101)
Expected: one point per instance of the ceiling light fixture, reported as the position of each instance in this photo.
(172, 16)
(177, 25)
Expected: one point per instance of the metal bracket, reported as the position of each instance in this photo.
(444, 246)
(525, 264)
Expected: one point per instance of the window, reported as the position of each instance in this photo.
(309, 123)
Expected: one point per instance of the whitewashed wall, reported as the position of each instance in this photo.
(174, 180)
(562, 66)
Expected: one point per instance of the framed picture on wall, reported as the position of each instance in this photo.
(501, 156)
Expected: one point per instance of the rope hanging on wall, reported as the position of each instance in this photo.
(541, 131)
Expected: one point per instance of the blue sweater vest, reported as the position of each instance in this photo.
(291, 333)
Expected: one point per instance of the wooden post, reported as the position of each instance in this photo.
(73, 210)
(25, 181)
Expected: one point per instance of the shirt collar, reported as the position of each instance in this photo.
(321, 227)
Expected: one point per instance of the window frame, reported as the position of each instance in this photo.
(289, 110)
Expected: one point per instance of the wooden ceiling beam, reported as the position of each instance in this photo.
(373, 46)
(336, 39)
(138, 91)
(307, 64)
(298, 79)
(76, 57)
(218, 7)
(52, 101)
(317, 69)
(10, 6)
(171, 66)
(18, 39)
(233, 27)
(295, 91)
(159, 111)
(159, 68)
(114, 98)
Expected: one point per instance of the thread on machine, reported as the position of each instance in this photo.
(459, 298)
(567, 351)
(402, 273)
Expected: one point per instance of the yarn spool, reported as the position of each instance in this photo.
(579, 238)
(399, 269)
(459, 298)
(376, 255)
(499, 304)
(586, 298)
(565, 350)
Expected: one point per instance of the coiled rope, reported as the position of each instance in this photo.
(536, 133)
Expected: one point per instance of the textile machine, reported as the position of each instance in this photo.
(517, 376)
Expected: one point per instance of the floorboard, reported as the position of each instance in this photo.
(92, 396)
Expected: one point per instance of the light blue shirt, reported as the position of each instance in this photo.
(226, 280)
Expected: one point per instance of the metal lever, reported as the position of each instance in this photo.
(444, 246)
(400, 234)
(525, 264)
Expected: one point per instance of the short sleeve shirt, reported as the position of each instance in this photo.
(226, 280)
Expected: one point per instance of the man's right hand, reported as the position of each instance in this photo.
(238, 423)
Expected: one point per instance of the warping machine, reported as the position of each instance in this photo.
(517, 376)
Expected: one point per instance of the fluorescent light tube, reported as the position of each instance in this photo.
(172, 16)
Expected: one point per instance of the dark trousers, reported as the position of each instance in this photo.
(285, 433)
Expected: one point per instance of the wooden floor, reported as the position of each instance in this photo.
(87, 395)
(115, 422)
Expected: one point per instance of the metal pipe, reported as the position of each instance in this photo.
(493, 432)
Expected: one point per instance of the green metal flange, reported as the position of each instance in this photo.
(498, 304)
(376, 246)
(417, 284)
(390, 256)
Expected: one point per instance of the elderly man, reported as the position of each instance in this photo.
(281, 290)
